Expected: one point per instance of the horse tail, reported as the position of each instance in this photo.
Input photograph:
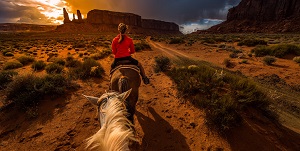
(123, 84)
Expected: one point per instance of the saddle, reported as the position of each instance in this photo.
(125, 64)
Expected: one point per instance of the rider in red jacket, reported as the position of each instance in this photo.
(123, 47)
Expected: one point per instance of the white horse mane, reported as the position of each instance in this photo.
(116, 132)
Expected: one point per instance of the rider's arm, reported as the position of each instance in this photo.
(113, 47)
(132, 50)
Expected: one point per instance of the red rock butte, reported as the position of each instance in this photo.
(261, 16)
(107, 21)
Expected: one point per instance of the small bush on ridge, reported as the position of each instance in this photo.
(60, 61)
(268, 60)
(26, 91)
(252, 42)
(102, 54)
(54, 68)
(89, 68)
(5, 51)
(12, 65)
(162, 64)
(9, 54)
(141, 46)
(6, 77)
(277, 50)
(176, 40)
(71, 62)
(38, 65)
(296, 59)
(25, 60)
(227, 63)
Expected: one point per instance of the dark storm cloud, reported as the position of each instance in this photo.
(179, 11)
(21, 11)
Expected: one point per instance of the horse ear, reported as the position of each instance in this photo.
(125, 95)
(92, 99)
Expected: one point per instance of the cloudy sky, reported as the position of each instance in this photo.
(189, 14)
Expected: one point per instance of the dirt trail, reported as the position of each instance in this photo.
(169, 51)
(163, 121)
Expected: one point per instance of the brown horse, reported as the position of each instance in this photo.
(116, 110)
(123, 78)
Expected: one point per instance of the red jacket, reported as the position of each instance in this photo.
(123, 49)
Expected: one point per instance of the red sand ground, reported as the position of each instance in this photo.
(163, 121)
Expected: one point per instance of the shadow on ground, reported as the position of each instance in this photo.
(159, 134)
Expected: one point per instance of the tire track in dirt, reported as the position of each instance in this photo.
(169, 51)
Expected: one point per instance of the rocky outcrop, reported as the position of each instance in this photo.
(74, 19)
(113, 18)
(79, 16)
(103, 20)
(66, 16)
(265, 10)
(159, 25)
(271, 16)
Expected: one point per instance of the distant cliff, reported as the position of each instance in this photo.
(107, 21)
(17, 27)
(269, 16)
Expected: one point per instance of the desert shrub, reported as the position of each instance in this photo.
(268, 60)
(162, 64)
(141, 46)
(26, 91)
(252, 42)
(176, 40)
(209, 40)
(25, 60)
(38, 65)
(233, 55)
(21, 91)
(260, 51)
(284, 49)
(102, 54)
(296, 59)
(78, 44)
(60, 61)
(222, 46)
(227, 62)
(5, 51)
(55, 84)
(54, 68)
(6, 77)
(12, 65)
(71, 62)
(244, 61)
(277, 51)
(89, 68)
(223, 96)
(9, 54)
(190, 42)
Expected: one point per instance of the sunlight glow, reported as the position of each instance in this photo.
(52, 9)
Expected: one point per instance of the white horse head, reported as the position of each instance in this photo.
(116, 130)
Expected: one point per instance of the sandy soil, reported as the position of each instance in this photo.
(163, 121)
(287, 69)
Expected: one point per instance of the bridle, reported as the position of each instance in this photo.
(102, 104)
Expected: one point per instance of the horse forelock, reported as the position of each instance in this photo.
(116, 131)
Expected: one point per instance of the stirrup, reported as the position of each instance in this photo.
(146, 80)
